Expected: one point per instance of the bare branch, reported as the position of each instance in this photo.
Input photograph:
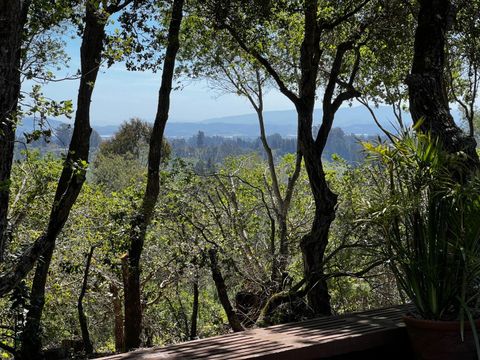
(387, 133)
(330, 105)
(273, 73)
(357, 274)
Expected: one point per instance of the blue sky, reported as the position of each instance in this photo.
(120, 94)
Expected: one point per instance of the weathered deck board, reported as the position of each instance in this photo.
(320, 338)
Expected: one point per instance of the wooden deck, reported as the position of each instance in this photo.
(378, 333)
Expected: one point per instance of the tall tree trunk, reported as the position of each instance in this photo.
(82, 318)
(133, 306)
(13, 16)
(31, 346)
(222, 292)
(194, 317)
(426, 82)
(71, 179)
(313, 244)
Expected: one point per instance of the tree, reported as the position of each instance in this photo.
(141, 220)
(62, 136)
(116, 172)
(429, 103)
(200, 139)
(222, 292)
(27, 53)
(13, 19)
(73, 173)
(248, 81)
(228, 70)
(87, 343)
(123, 158)
(317, 24)
(131, 138)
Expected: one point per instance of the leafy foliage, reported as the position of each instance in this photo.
(429, 218)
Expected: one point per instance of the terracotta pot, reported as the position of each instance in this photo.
(440, 340)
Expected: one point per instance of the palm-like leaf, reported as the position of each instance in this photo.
(431, 222)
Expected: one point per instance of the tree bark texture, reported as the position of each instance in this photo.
(133, 306)
(13, 15)
(31, 343)
(426, 83)
(222, 292)
(313, 244)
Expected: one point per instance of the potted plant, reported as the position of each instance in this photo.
(428, 211)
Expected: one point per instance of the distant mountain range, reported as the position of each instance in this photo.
(352, 120)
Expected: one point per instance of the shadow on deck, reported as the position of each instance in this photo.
(375, 334)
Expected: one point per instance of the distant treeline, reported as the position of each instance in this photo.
(51, 141)
(214, 149)
(204, 149)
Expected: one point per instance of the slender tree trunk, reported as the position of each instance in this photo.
(194, 318)
(13, 15)
(280, 259)
(281, 204)
(118, 319)
(82, 318)
(314, 244)
(222, 292)
(426, 83)
(31, 347)
(71, 179)
(133, 307)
